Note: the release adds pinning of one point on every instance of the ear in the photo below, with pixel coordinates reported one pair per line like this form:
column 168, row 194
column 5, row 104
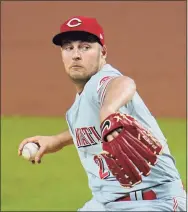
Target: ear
column 104, row 51
column 61, row 50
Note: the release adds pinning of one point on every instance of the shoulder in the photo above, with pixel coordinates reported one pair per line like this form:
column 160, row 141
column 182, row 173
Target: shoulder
column 96, row 86
column 105, row 74
column 74, row 104
column 107, row 70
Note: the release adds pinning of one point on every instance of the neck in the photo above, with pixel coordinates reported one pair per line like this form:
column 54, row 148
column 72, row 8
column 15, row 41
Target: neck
column 79, row 88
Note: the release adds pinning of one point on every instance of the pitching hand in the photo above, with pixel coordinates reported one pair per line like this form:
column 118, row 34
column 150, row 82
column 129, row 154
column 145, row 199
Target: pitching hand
column 47, row 144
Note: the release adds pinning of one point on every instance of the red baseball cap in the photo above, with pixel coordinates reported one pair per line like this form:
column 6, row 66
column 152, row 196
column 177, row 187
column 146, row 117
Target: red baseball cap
column 80, row 24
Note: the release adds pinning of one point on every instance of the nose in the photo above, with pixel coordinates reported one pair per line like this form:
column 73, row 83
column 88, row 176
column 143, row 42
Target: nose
column 76, row 55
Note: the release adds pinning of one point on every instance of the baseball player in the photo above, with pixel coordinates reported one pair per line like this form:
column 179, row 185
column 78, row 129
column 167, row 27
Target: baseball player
column 120, row 145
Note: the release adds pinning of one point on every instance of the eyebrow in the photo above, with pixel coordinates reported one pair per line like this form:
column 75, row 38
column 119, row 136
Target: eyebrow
column 67, row 42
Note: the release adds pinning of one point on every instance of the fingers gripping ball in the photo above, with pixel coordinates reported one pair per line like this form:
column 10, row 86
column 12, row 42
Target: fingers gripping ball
column 131, row 154
column 29, row 151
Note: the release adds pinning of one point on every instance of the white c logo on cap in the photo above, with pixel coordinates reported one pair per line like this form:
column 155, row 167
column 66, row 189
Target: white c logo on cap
column 74, row 25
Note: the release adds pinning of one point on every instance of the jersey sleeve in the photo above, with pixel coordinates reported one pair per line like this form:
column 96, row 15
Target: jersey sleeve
column 100, row 82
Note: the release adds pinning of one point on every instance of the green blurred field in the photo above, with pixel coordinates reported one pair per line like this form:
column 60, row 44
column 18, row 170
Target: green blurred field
column 59, row 183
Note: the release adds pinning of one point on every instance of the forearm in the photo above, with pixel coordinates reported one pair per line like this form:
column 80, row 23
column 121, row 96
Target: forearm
column 119, row 92
column 63, row 139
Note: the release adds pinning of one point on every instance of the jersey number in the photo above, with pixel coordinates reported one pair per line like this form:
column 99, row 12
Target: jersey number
column 102, row 173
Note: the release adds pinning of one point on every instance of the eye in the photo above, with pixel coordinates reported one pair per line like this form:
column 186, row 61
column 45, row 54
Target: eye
column 85, row 47
column 68, row 48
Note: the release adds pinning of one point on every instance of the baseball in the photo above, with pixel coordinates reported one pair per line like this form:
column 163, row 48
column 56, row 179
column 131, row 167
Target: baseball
column 29, row 151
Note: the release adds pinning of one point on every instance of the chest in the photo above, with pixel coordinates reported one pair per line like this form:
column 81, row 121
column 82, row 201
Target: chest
column 84, row 124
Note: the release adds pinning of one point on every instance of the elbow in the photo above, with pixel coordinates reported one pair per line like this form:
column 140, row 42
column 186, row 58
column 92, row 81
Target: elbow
column 129, row 85
column 133, row 85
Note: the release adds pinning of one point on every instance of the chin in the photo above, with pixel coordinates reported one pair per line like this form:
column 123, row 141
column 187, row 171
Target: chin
column 78, row 78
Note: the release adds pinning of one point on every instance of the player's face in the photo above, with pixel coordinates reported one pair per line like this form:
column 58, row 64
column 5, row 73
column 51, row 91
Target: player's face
column 82, row 59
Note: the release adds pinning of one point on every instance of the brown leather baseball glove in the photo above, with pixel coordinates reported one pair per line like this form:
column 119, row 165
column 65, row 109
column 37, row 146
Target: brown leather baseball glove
column 131, row 153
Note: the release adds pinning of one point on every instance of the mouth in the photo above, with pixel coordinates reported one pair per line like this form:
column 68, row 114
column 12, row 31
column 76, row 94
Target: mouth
column 76, row 66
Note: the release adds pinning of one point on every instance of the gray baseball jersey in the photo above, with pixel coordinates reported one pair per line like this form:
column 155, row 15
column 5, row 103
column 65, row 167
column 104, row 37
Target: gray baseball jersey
column 84, row 125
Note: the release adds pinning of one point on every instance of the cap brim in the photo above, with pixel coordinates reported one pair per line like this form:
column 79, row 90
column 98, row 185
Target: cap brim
column 72, row 35
column 57, row 39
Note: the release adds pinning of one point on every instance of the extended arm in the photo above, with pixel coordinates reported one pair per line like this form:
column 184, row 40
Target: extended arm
column 63, row 139
column 48, row 144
